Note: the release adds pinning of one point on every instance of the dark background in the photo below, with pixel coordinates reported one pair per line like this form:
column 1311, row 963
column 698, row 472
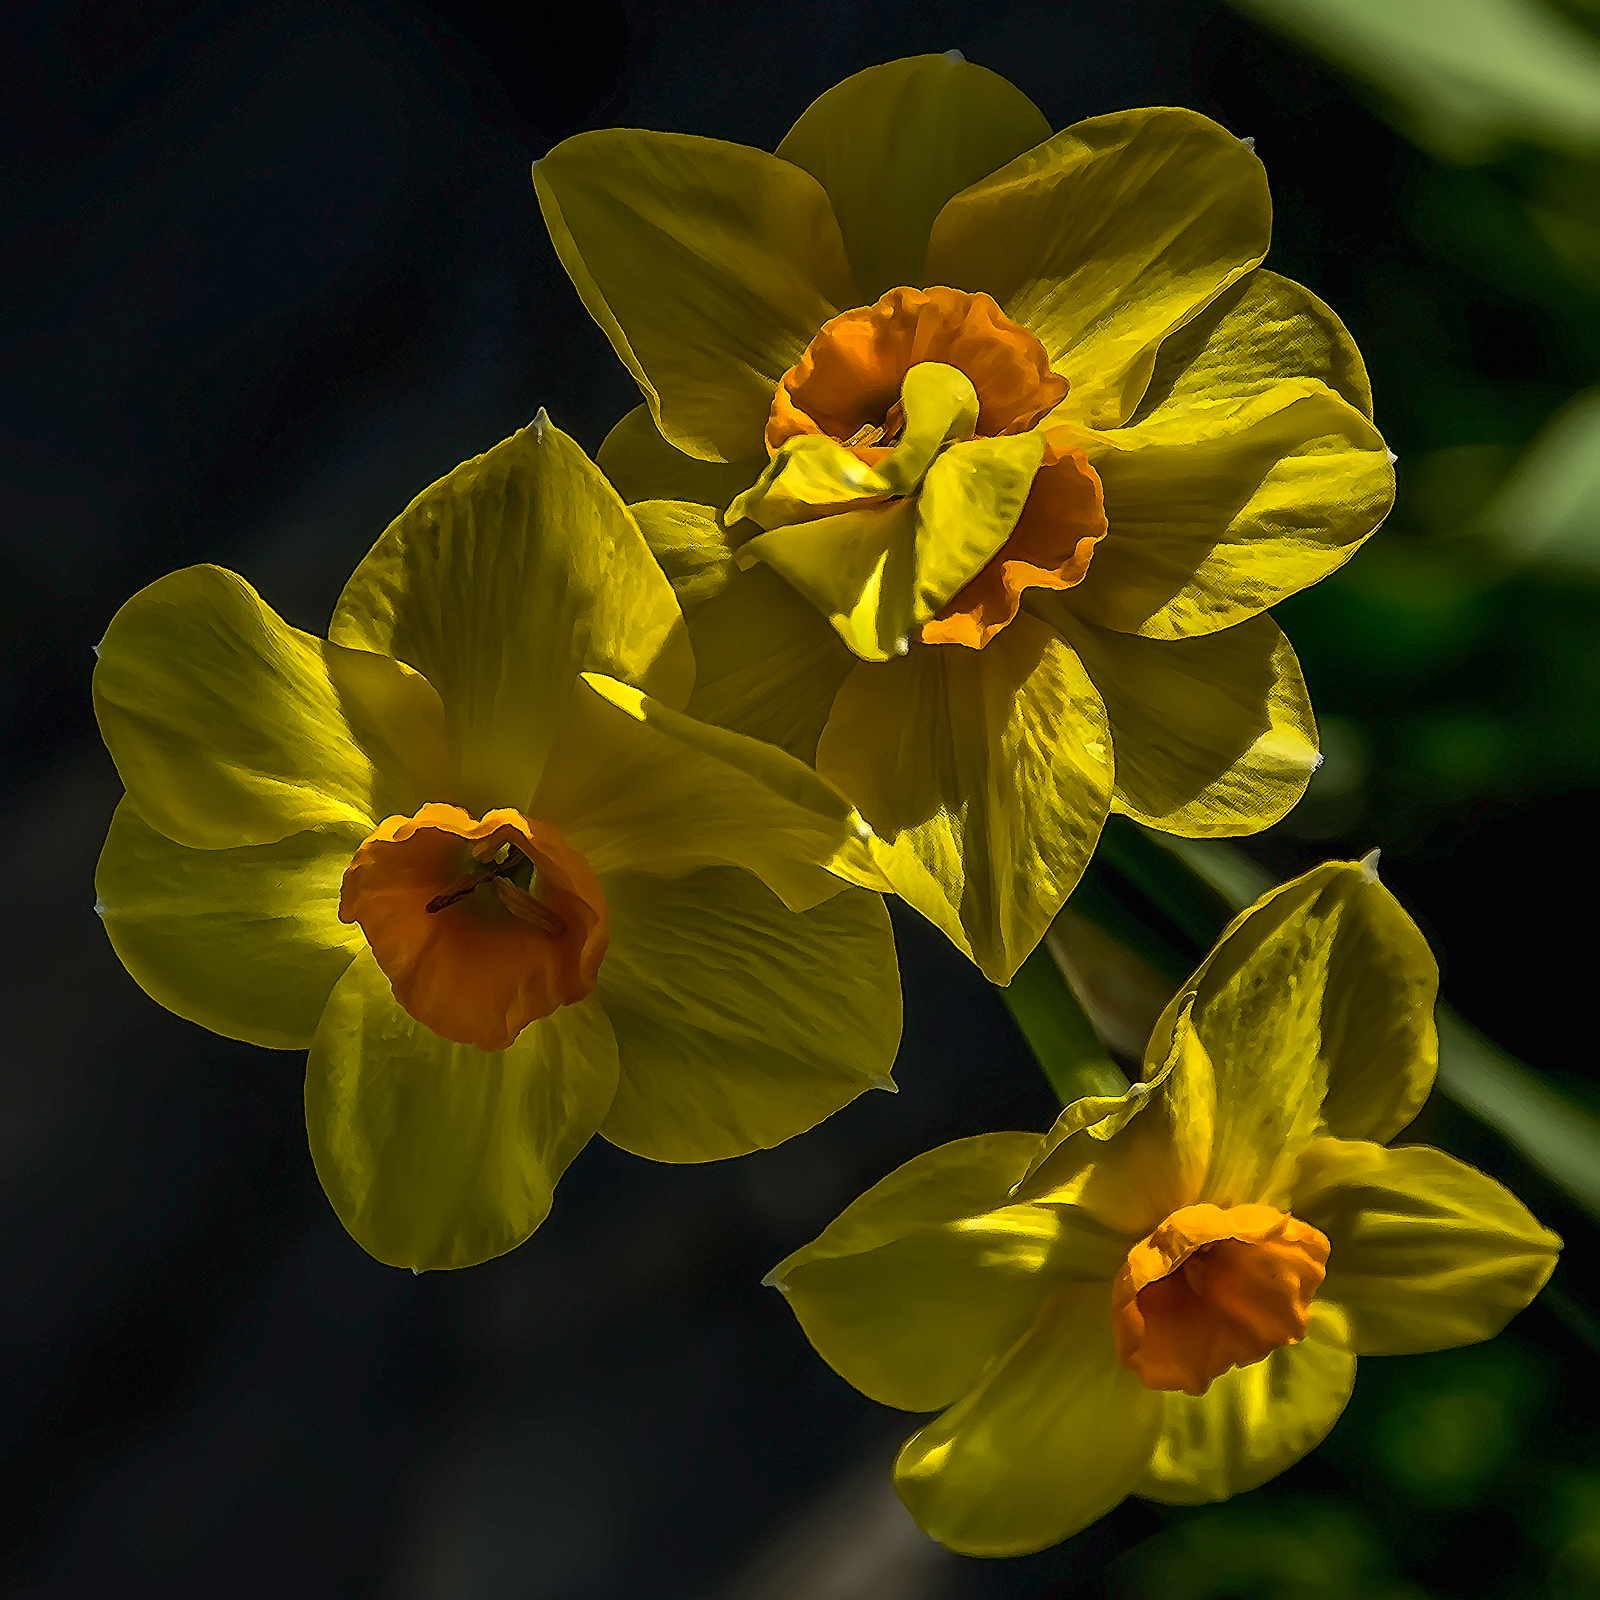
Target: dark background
column 271, row 269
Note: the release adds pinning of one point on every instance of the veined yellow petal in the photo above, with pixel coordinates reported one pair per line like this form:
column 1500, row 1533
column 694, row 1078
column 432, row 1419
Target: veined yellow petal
column 1253, row 1421
column 1315, row 1006
column 1219, row 509
column 709, row 266
column 1106, row 238
column 893, row 143
column 500, row 583
column 879, row 574
column 1427, row 1252
column 914, row 1322
column 1213, row 735
column 643, row 466
column 440, row 1155
column 740, row 1023
column 1261, row 330
column 1055, row 1435
column 986, row 775
column 634, row 787
column 247, row 942
column 229, row 727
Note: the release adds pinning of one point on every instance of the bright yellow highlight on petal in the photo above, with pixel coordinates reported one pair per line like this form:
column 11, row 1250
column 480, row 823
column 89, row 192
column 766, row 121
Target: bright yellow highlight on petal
column 1166, row 1295
column 1213, row 1288
column 468, row 950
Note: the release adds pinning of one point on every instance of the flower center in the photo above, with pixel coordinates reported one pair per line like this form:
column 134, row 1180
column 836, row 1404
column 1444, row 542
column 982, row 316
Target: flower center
column 480, row 925
column 850, row 386
column 1214, row 1287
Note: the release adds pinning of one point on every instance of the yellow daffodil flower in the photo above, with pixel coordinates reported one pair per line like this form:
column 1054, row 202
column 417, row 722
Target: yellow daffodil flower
column 467, row 853
column 1166, row 1295
column 993, row 446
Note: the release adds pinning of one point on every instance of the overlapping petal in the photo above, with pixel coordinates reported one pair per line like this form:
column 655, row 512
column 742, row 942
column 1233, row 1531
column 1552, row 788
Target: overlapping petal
column 987, row 776
column 892, row 144
column 1427, row 1252
column 643, row 466
column 1223, row 506
column 246, row 942
column 636, row 787
column 1055, row 1434
column 1253, row 1421
column 1213, row 735
column 709, row 266
column 440, row 1155
column 1105, row 239
column 229, row 727
column 499, row 584
column 741, row 1023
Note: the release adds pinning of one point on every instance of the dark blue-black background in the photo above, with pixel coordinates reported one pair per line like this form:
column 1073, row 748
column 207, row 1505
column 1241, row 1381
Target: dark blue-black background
column 270, row 270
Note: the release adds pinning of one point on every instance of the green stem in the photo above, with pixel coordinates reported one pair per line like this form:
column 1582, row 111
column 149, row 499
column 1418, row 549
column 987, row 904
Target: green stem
column 1063, row 1040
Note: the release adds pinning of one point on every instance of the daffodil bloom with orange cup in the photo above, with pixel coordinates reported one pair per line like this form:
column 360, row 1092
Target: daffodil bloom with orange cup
column 1167, row 1294
column 991, row 447
column 466, row 852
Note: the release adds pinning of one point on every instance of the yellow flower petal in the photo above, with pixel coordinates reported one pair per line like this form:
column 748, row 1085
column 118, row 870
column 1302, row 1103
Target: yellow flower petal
column 914, row 1322
column 502, row 582
column 986, row 775
column 709, row 266
column 1218, row 510
column 440, row 1155
column 1253, row 1421
column 245, row 942
column 1261, row 330
column 1316, row 1005
column 1055, row 1435
column 879, row 574
column 893, row 143
column 229, row 727
column 740, row 1023
column 1213, row 735
column 643, row 466
column 633, row 786
column 1427, row 1252
column 1105, row 239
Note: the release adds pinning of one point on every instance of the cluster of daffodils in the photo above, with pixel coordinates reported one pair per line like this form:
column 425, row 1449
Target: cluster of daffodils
column 971, row 460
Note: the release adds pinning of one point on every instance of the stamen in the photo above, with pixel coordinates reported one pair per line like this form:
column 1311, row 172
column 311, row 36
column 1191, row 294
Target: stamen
column 500, row 869
column 865, row 434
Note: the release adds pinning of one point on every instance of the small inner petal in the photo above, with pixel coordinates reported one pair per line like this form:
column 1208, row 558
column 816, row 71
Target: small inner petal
column 481, row 925
column 1214, row 1288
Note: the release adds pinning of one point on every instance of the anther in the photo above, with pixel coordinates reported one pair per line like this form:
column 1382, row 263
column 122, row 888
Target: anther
column 500, row 870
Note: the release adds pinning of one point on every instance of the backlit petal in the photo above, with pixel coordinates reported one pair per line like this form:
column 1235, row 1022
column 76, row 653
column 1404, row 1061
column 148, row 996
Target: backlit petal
column 247, row 942
column 1105, row 239
column 1253, row 1421
column 635, row 787
column 986, row 775
column 1054, row 1436
column 892, row 144
column 740, row 1023
column 442, row 1155
column 229, row 727
column 1220, row 508
column 1428, row 1253
column 500, row 583
column 914, row 1322
column 709, row 266
column 643, row 466
column 1213, row 735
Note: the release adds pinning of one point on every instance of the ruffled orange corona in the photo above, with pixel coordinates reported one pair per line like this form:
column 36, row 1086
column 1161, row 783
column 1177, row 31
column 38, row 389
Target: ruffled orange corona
column 1214, row 1287
column 481, row 926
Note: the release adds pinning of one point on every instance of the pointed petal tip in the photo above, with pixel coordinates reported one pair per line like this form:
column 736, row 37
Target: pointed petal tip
column 862, row 828
column 541, row 421
column 1139, row 1089
column 96, row 649
column 888, row 1085
column 416, row 1272
column 1369, row 867
column 1317, row 760
column 1249, row 141
column 773, row 1281
column 954, row 55
column 902, row 645
column 1392, row 456
column 99, row 907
